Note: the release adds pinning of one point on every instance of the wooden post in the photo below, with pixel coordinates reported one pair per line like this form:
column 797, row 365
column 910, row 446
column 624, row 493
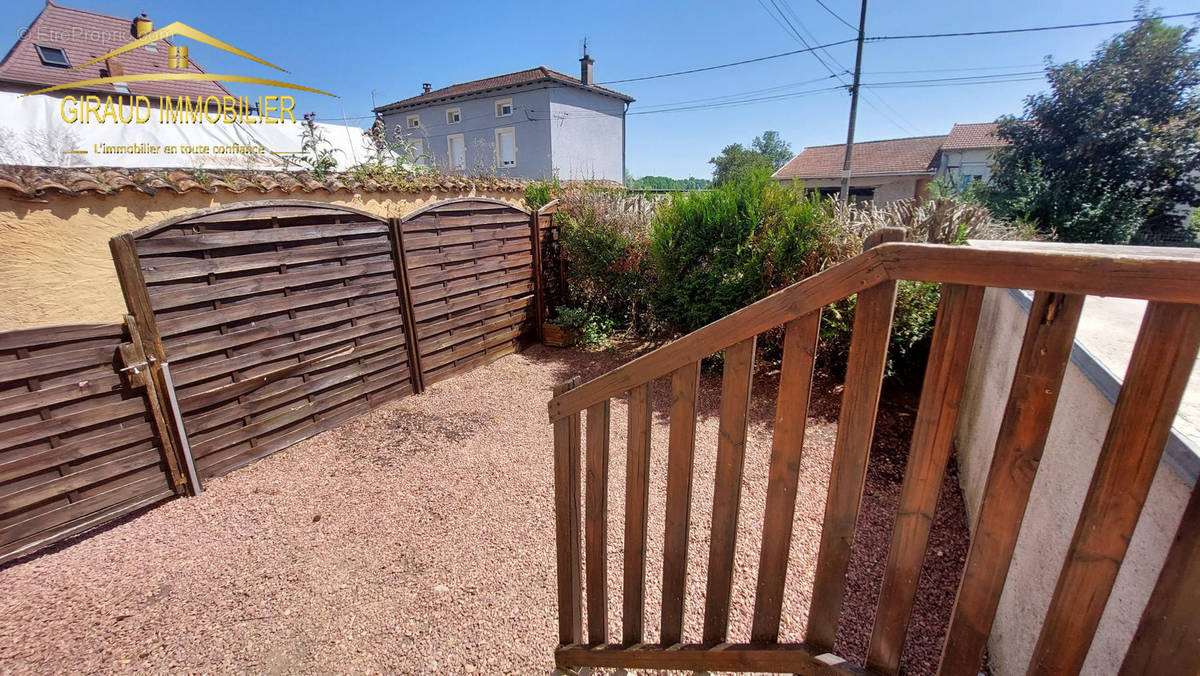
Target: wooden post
column 932, row 443
column 140, row 372
column 566, row 523
column 539, row 281
column 1045, row 351
column 147, row 348
column 404, row 290
column 1154, row 384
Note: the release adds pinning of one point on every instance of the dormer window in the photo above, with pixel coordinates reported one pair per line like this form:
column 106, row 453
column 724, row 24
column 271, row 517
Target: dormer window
column 53, row 56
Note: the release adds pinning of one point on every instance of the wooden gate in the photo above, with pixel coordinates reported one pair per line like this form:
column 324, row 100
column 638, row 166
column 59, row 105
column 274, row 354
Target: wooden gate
column 278, row 320
column 470, row 269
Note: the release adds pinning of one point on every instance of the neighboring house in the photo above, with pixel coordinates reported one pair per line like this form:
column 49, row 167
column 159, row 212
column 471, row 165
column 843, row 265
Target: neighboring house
column 886, row 171
column 33, row 130
column 61, row 38
column 967, row 153
column 882, row 171
column 535, row 123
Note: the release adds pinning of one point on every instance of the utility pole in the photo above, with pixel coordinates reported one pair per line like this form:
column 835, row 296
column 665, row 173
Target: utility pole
column 844, row 195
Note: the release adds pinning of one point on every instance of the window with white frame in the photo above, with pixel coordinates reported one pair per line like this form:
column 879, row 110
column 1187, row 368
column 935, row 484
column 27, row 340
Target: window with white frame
column 453, row 116
column 504, row 108
column 414, row 121
column 418, row 149
column 506, row 147
column 456, row 149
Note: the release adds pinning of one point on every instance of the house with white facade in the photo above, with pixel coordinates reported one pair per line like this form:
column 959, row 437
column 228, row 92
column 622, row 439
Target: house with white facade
column 536, row 123
column 966, row 155
column 894, row 169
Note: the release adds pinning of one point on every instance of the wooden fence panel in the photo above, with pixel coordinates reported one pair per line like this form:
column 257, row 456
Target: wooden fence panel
column 471, row 270
column 279, row 320
column 78, row 445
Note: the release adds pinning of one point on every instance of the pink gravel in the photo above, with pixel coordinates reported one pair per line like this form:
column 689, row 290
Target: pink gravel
column 419, row 539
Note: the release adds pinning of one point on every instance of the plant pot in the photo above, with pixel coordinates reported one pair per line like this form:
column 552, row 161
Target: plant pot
column 558, row 336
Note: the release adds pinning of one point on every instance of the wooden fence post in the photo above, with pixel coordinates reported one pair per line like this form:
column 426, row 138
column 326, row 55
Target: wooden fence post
column 539, row 282
column 404, row 290
column 147, row 348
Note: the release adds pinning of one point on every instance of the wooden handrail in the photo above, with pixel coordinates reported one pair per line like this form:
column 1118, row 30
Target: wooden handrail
column 1062, row 276
column 1130, row 272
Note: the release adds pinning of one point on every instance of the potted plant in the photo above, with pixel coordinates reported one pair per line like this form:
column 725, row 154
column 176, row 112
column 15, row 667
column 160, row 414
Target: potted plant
column 566, row 328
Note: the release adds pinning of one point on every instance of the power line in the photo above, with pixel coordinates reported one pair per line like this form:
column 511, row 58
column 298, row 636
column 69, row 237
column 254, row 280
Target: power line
column 837, row 16
column 1007, row 31
column 726, row 65
column 882, row 38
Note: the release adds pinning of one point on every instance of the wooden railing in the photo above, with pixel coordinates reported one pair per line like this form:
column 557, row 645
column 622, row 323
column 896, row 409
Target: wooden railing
column 1061, row 275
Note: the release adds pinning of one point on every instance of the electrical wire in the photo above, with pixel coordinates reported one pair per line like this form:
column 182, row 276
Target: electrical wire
column 726, row 65
column 838, row 17
column 882, row 38
column 1007, row 31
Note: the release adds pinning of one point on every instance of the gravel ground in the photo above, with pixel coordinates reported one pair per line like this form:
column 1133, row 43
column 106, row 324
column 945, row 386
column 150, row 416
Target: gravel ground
column 419, row 538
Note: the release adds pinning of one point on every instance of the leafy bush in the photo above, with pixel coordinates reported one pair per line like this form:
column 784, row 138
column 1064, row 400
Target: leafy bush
column 715, row 252
column 540, row 193
column 605, row 236
column 594, row 330
column 671, row 266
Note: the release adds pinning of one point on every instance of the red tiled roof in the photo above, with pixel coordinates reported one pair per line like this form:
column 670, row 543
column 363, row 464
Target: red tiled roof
column 84, row 36
column 521, row 77
column 895, row 156
column 975, row 135
column 41, row 182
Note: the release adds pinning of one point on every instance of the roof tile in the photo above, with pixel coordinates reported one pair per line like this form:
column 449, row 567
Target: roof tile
column 895, row 156
column 521, row 77
column 31, row 182
column 85, row 35
column 973, row 135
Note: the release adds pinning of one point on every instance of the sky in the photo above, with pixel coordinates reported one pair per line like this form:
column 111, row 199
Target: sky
column 372, row 52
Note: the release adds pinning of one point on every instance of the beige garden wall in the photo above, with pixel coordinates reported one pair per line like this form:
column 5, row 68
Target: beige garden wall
column 55, row 265
column 1081, row 418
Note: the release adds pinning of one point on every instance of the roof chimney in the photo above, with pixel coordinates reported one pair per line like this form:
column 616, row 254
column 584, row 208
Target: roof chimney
column 141, row 25
column 586, row 66
column 427, row 87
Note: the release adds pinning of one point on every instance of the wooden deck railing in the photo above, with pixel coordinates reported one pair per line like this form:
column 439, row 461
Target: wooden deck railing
column 1061, row 275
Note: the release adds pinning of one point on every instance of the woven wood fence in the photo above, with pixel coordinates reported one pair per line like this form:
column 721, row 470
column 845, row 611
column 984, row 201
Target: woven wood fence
column 78, row 443
column 251, row 328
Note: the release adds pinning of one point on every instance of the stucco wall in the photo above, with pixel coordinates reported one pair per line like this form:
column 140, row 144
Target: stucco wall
column 530, row 121
column 887, row 188
column 56, row 266
column 586, row 132
column 957, row 164
column 1080, row 422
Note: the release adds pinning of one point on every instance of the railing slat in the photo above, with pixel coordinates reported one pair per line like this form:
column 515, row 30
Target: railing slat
column 566, row 523
column 596, row 522
column 1158, row 372
column 791, row 413
column 731, row 454
column 932, row 442
column 684, row 390
column 1045, row 350
column 856, row 425
column 637, row 497
column 1165, row 642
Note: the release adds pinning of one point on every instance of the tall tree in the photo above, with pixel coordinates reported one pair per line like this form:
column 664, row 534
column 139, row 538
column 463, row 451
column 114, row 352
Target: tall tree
column 1112, row 151
column 772, row 146
column 736, row 162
